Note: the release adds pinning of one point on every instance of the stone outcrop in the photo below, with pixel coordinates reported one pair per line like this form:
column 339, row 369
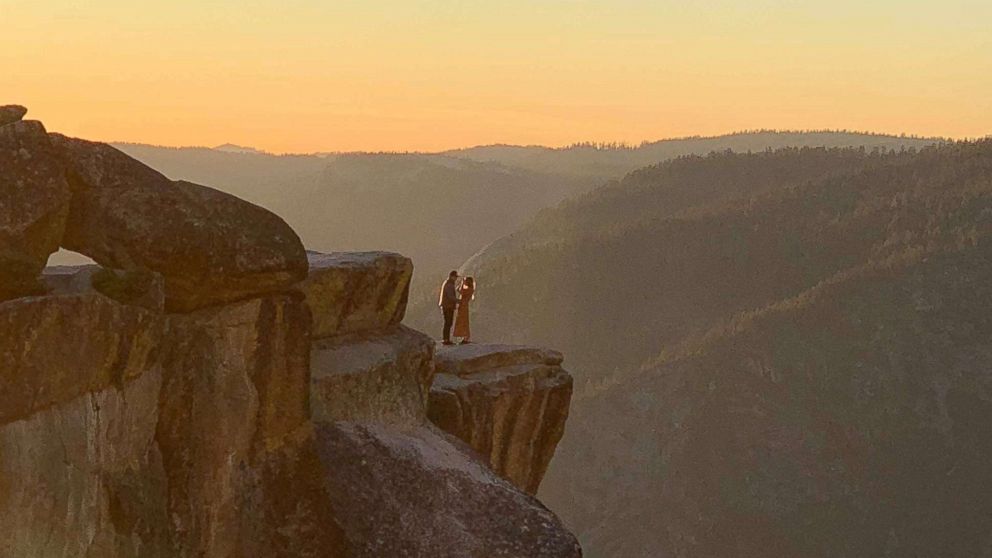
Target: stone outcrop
column 357, row 291
column 211, row 247
column 158, row 435
column 11, row 113
column 84, row 478
column 382, row 376
column 432, row 498
column 58, row 348
column 80, row 474
column 436, row 496
column 34, row 203
column 509, row 403
column 182, row 404
column 364, row 365
column 234, row 409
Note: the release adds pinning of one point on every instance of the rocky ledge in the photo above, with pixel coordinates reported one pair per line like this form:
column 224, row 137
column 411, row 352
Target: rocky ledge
column 370, row 393
column 212, row 390
column 509, row 403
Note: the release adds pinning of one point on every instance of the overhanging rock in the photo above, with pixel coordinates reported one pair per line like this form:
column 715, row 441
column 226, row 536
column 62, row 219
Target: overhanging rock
column 509, row 403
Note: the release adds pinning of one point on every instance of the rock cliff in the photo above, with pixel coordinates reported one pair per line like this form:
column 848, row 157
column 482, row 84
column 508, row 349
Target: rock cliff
column 509, row 403
column 370, row 387
column 214, row 391
column 35, row 205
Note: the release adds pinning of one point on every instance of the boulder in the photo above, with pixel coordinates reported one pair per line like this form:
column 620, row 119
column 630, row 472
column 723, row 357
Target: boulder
column 34, row 203
column 431, row 498
column 512, row 412
column 356, row 291
column 11, row 113
column 465, row 360
column 383, row 376
column 210, row 247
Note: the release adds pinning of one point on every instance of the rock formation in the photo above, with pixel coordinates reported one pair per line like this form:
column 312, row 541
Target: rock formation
column 56, row 349
column 191, row 399
column 432, row 498
column 81, row 379
column 157, row 435
column 509, row 403
column 369, row 395
column 235, row 404
column 35, row 203
column 211, row 247
column 383, row 376
column 352, row 292
column 11, row 113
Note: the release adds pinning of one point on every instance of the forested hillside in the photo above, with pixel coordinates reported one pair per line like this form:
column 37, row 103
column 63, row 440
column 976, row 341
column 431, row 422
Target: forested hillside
column 771, row 349
column 607, row 161
column 620, row 272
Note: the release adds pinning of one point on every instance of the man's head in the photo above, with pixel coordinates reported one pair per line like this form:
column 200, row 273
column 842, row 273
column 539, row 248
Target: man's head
column 453, row 275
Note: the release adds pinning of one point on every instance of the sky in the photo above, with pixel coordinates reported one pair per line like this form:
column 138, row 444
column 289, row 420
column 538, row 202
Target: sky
column 418, row 75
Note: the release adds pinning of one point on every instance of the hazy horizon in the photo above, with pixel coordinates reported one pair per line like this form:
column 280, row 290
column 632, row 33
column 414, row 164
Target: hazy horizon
column 235, row 147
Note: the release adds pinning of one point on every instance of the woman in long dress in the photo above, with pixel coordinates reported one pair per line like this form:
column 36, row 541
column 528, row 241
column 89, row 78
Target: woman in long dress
column 466, row 294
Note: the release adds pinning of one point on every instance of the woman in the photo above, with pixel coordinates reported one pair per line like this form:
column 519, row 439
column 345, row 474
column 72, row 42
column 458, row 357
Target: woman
column 466, row 294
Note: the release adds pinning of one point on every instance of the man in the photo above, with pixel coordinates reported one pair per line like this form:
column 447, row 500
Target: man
column 448, row 303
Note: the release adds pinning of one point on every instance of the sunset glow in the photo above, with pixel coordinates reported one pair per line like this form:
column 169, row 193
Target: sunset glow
column 306, row 76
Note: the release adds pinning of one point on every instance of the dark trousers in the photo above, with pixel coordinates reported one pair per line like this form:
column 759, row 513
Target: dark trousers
column 449, row 320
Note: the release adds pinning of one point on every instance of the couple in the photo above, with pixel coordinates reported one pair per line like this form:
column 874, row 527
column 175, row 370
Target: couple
column 456, row 295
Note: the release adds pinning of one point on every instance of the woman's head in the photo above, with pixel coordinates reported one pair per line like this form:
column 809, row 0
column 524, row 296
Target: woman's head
column 470, row 281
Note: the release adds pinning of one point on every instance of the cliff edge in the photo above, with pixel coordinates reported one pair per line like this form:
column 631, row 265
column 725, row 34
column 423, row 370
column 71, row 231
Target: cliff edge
column 212, row 389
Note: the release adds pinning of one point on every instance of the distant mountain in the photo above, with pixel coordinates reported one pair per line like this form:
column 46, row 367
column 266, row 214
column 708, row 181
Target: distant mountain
column 231, row 148
column 776, row 354
column 613, row 161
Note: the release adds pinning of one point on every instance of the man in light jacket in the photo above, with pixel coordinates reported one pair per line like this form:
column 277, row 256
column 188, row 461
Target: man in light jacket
column 448, row 303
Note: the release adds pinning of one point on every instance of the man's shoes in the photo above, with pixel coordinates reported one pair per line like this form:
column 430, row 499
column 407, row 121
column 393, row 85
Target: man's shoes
column 447, row 343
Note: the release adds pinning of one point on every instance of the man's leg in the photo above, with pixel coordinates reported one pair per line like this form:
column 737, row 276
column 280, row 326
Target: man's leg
column 449, row 320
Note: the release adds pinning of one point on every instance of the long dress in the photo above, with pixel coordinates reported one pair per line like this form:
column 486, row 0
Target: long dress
column 463, row 328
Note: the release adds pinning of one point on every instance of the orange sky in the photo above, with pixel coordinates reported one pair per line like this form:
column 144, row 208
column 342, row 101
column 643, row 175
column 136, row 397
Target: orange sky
column 306, row 75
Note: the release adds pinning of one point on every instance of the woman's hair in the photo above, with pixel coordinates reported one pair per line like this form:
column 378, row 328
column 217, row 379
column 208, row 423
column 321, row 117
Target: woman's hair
column 470, row 281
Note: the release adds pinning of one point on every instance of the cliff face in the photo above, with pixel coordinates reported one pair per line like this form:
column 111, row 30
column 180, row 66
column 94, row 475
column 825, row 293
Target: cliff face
column 129, row 432
column 509, row 403
column 370, row 387
column 200, row 401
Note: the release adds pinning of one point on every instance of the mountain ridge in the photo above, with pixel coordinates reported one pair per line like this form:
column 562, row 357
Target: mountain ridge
column 725, row 242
